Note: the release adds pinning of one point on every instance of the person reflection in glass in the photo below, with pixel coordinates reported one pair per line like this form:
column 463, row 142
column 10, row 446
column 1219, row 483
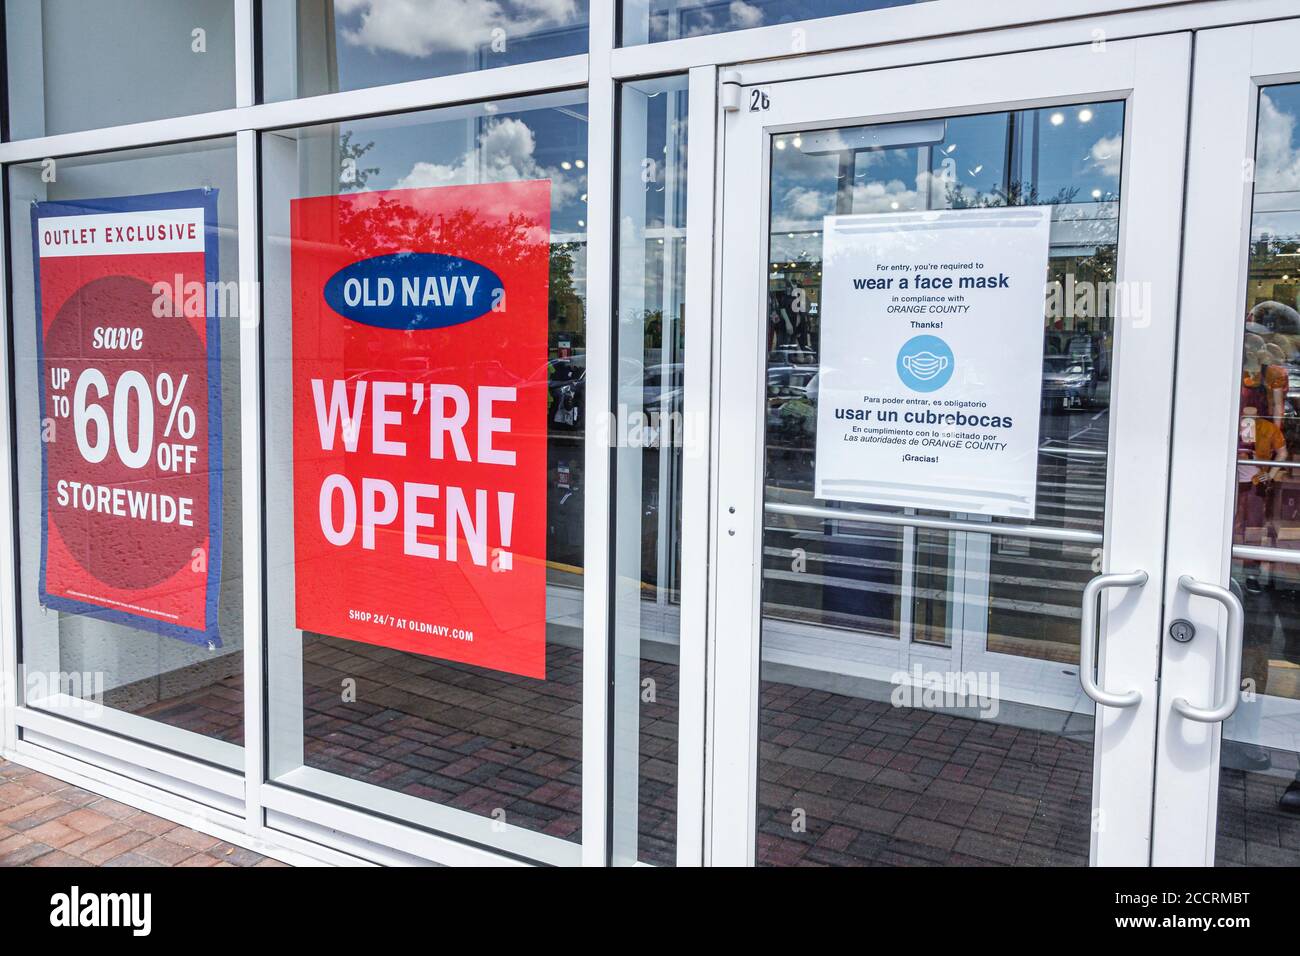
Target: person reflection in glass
column 789, row 324
column 1266, row 419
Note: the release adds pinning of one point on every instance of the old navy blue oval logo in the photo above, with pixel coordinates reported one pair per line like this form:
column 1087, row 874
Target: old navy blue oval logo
column 413, row 290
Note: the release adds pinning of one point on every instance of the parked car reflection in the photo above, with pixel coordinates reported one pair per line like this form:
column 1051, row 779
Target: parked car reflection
column 1069, row 381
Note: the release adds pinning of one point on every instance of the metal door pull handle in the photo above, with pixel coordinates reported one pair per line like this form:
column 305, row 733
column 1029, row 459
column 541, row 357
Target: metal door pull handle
column 1229, row 690
column 1088, row 638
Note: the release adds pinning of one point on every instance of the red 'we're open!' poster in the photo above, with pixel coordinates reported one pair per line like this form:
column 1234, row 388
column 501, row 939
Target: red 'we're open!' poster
column 419, row 403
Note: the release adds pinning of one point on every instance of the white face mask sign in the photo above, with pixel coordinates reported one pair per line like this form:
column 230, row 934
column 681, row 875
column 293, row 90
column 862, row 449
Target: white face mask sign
column 925, row 365
column 932, row 359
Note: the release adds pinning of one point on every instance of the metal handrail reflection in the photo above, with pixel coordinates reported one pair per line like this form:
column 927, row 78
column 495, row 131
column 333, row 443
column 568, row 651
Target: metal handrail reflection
column 1031, row 532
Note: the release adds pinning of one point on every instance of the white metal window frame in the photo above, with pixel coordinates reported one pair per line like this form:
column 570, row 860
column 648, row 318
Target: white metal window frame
column 936, row 30
column 1232, row 66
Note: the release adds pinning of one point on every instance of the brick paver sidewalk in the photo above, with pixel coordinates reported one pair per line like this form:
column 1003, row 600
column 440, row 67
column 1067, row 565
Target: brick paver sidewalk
column 46, row 822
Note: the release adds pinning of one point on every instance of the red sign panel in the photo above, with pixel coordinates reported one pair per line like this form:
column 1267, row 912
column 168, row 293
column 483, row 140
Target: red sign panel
column 131, row 398
column 419, row 403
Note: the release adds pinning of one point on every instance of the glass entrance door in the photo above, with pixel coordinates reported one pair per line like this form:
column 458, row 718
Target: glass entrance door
column 947, row 331
column 1228, row 771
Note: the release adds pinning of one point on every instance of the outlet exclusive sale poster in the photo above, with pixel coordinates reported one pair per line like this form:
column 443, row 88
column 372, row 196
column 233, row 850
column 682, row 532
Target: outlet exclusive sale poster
column 130, row 390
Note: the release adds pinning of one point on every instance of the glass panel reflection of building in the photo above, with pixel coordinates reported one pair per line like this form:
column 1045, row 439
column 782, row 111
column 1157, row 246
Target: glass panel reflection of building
column 653, row 21
column 1259, row 791
column 1068, row 158
column 847, row 605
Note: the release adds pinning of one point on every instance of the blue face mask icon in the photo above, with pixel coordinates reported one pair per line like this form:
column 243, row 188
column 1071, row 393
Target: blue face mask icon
column 925, row 363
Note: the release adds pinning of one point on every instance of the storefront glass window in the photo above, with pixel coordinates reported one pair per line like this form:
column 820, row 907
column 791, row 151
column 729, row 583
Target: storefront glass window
column 74, row 65
column 650, row 21
column 125, row 309
column 324, row 46
column 1068, row 158
column 856, row 614
column 1259, row 788
column 651, row 436
column 425, row 363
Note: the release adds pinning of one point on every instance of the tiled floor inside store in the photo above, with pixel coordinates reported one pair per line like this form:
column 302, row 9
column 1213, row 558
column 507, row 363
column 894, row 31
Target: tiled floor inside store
column 46, row 822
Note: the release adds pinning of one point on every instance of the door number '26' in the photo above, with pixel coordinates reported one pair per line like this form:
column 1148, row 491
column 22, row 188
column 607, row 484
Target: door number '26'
column 758, row 100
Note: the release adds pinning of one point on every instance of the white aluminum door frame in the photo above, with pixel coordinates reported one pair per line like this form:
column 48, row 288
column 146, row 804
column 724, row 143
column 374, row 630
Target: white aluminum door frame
column 1151, row 75
column 1232, row 64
